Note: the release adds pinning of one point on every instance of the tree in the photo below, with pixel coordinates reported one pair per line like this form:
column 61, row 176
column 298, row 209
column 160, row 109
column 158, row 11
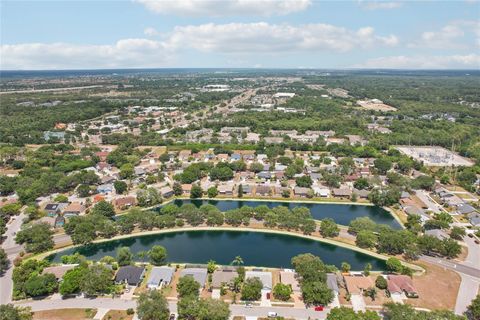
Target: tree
column 366, row 239
column 120, row 186
column 97, row 280
column 83, row 190
column 124, row 256
column 212, row 309
column 328, row 228
column 72, row 279
column 212, row 192
column 361, row 183
column 304, row 181
column 152, row 305
column 211, row 266
column 104, row 208
column 177, row 189
column 83, row 231
column 316, row 293
column 37, row 238
column 381, row 283
column 346, row 267
column 362, row 223
column 423, row 182
column 394, row 265
column 11, row 312
column 282, row 291
column 240, row 191
column 187, row 287
column 127, row 171
column 237, row 261
column 367, row 269
column 457, row 233
column 344, row 313
column 158, row 255
column 61, row 198
column 382, row 165
column 450, row 248
column 309, row 267
column 252, row 289
column 196, row 191
column 4, row 262
column 256, row 167
column 473, row 310
column 40, row 285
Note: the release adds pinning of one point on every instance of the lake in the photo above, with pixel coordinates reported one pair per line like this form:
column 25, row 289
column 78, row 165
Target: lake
column 256, row 248
column 340, row 213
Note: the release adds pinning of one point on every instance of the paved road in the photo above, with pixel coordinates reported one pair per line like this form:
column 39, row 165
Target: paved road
column 469, row 286
column 6, row 283
column 121, row 304
column 452, row 265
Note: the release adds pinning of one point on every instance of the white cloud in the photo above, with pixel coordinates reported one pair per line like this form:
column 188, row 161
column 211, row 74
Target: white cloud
column 380, row 5
column 450, row 36
column 225, row 7
column 274, row 38
column 126, row 53
column 151, row 32
column 470, row 61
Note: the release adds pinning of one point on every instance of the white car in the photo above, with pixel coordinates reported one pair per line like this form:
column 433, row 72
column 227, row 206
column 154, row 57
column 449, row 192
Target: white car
column 272, row 314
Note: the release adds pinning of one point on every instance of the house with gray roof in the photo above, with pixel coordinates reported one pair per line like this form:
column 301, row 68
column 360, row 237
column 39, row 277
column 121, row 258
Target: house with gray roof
column 131, row 275
column 198, row 274
column 160, row 277
column 264, row 276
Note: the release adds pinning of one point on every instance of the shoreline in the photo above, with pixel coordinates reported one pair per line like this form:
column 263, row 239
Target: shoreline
column 234, row 229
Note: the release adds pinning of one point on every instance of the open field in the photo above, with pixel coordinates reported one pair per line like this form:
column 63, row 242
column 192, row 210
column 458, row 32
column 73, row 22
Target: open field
column 65, row 314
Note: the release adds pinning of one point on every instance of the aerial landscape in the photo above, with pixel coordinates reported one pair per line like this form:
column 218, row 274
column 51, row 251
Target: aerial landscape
column 239, row 159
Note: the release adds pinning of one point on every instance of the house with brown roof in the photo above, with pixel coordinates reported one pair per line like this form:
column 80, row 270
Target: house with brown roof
column 289, row 278
column 186, row 188
column 342, row 192
column 221, row 278
column 124, row 202
column 357, row 284
column 73, row 209
column 398, row 284
column 263, row 190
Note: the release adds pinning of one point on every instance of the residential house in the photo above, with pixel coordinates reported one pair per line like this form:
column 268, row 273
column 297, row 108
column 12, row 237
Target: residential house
column 264, row 276
column 166, row 192
column 263, row 190
column 198, row 274
column 160, row 277
column 130, row 275
column 223, row 277
column 186, row 188
column 73, row 209
column 226, row 188
column 342, row 192
column 59, row 271
column 289, row 277
column 356, row 285
column 105, row 188
column 125, row 202
column 301, row 192
column 53, row 209
column 399, row 284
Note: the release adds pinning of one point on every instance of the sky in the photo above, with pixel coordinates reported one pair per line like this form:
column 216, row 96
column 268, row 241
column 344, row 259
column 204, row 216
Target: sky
column 92, row 34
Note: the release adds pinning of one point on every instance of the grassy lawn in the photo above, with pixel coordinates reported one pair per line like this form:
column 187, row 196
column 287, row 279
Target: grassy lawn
column 117, row 315
column 65, row 314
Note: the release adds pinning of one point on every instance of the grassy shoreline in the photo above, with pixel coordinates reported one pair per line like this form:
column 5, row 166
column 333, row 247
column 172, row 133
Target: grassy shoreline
column 235, row 229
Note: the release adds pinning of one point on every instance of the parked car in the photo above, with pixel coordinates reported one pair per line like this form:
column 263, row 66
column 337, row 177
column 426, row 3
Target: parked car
column 172, row 317
column 319, row 308
column 272, row 314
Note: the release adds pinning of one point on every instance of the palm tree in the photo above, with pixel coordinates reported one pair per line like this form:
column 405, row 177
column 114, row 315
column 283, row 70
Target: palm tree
column 237, row 261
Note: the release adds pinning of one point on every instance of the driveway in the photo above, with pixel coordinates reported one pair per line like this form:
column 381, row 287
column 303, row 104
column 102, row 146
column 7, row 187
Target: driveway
column 466, row 293
column 358, row 303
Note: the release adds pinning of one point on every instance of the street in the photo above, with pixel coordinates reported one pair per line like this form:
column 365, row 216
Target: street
column 6, row 280
column 120, row 304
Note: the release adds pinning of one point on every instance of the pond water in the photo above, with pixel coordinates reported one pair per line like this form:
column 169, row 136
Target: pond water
column 340, row 213
column 256, row 249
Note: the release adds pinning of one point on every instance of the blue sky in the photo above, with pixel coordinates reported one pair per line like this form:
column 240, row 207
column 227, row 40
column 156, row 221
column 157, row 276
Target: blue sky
column 239, row 33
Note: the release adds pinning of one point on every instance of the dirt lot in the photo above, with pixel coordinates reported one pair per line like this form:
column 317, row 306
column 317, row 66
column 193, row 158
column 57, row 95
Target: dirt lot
column 117, row 315
column 437, row 288
column 65, row 314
